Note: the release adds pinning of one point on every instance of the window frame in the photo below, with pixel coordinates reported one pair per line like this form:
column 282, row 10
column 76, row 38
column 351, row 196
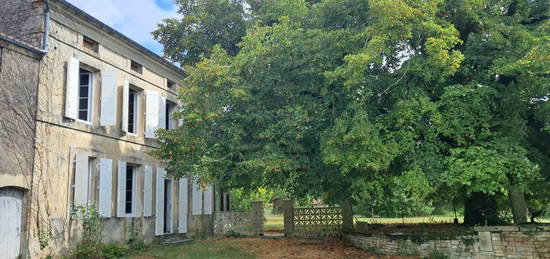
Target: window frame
column 170, row 84
column 136, row 105
column 170, row 122
column 90, row 44
column 133, row 200
column 91, row 88
column 136, row 67
column 91, row 184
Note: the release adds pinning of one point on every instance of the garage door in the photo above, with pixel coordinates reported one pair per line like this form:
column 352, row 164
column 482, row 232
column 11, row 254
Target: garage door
column 11, row 201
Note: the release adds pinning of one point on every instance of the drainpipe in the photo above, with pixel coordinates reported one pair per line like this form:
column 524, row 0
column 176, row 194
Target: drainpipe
column 46, row 26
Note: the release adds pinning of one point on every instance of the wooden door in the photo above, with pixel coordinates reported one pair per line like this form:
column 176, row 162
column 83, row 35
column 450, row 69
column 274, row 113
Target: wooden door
column 11, row 208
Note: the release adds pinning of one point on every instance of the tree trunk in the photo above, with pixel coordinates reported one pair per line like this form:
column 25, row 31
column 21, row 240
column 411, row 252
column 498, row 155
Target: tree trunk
column 480, row 209
column 519, row 206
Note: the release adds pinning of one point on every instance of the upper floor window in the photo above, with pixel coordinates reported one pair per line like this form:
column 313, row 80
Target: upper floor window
column 133, row 104
column 90, row 44
column 170, row 84
column 170, row 123
column 85, row 95
column 136, row 67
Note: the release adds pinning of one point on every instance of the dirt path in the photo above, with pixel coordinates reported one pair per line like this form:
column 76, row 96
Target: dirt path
column 256, row 247
column 306, row 248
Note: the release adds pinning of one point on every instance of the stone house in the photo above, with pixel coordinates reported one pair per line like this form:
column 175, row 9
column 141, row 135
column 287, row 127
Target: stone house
column 80, row 104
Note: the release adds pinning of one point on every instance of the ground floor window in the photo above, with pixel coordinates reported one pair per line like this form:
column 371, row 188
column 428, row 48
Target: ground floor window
column 129, row 192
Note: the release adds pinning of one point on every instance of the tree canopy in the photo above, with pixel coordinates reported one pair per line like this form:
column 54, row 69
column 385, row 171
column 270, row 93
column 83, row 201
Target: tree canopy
column 388, row 103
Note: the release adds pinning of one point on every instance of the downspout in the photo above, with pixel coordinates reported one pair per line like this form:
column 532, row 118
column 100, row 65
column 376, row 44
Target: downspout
column 46, row 27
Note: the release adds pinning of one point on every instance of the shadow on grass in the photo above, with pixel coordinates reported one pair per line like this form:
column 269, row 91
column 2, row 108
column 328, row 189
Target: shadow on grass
column 197, row 249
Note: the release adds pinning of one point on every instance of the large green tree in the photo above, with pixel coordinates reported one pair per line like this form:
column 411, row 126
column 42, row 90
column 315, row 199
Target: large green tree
column 382, row 102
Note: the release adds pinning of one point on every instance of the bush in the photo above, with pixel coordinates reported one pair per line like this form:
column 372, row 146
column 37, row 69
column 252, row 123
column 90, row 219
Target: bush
column 114, row 250
column 87, row 249
column 437, row 255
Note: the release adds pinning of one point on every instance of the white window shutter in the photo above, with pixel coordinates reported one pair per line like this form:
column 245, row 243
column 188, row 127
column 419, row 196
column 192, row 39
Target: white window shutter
column 108, row 98
column 208, row 200
column 196, row 199
column 105, row 187
column 71, row 95
column 81, row 180
column 183, row 206
column 151, row 113
column 121, row 190
column 159, row 203
column 180, row 109
column 125, row 101
column 162, row 113
column 148, row 191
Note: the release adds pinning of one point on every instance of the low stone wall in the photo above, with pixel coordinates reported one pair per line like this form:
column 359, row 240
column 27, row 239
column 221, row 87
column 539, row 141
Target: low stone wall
column 482, row 242
column 250, row 223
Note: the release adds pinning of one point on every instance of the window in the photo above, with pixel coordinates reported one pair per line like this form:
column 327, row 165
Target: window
column 85, row 92
column 171, row 84
column 136, row 67
column 133, row 102
column 129, row 190
column 82, row 179
column 90, row 44
column 170, row 106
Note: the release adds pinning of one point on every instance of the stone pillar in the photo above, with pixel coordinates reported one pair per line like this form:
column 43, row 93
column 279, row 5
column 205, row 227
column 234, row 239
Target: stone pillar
column 288, row 212
column 347, row 217
column 258, row 217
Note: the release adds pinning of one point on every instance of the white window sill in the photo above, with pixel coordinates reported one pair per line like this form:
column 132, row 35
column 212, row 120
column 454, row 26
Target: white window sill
column 128, row 216
column 84, row 122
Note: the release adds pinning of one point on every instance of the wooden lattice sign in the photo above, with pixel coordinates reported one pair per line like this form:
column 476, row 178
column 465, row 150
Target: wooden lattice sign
column 317, row 222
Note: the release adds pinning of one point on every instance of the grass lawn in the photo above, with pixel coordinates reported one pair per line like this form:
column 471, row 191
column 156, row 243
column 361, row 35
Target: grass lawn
column 409, row 220
column 255, row 247
column 275, row 222
column 197, row 249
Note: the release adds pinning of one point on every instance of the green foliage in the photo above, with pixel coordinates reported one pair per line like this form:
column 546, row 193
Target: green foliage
column 437, row 255
column 394, row 104
column 242, row 201
column 205, row 23
column 114, row 250
column 89, row 246
column 92, row 224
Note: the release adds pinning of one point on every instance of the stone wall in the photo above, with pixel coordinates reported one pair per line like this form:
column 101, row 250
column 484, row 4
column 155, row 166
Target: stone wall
column 23, row 20
column 243, row 222
column 18, row 98
column 528, row 241
column 484, row 242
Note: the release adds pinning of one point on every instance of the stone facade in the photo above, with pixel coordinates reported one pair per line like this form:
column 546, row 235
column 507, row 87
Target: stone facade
column 23, row 20
column 18, row 101
column 249, row 223
column 488, row 242
column 44, row 147
column 19, row 64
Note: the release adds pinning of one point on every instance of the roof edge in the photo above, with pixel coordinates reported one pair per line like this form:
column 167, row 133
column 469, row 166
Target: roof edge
column 123, row 37
column 22, row 45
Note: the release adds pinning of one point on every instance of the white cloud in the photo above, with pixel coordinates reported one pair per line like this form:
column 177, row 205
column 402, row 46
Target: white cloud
column 134, row 18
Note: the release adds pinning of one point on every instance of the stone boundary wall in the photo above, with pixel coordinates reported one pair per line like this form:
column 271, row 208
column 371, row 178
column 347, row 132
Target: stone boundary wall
column 485, row 242
column 250, row 223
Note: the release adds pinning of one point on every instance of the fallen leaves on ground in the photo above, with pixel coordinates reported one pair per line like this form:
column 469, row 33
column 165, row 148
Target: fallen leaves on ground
column 306, row 248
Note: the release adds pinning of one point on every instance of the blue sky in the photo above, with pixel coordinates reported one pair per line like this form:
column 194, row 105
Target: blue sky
column 133, row 18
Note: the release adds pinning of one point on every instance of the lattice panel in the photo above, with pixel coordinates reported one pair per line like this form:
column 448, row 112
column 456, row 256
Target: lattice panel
column 318, row 221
